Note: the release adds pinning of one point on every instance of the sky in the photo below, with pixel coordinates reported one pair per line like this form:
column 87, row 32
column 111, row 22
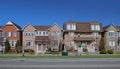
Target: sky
column 48, row 12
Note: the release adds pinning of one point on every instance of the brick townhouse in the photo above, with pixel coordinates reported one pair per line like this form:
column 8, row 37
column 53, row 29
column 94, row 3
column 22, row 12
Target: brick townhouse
column 40, row 38
column 111, row 35
column 2, row 40
column 82, row 35
column 12, row 32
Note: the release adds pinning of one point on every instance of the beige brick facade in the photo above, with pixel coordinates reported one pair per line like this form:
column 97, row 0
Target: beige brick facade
column 83, row 36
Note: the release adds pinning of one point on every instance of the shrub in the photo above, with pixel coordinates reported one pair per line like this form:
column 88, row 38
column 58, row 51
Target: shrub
column 31, row 51
column 85, row 50
column 17, row 47
column 102, row 52
column 7, row 46
column 109, row 51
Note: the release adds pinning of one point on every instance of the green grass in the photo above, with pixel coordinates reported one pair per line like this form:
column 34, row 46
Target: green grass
column 56, row 56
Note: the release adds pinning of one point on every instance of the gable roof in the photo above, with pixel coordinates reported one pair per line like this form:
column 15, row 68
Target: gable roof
column 27, row 25
column 14, row 24
column 118, row 27
column 42, row 28
column 105, row 27
column 56, row 25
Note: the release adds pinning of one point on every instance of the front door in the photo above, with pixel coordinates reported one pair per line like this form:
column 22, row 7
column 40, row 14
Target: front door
column 41, row 48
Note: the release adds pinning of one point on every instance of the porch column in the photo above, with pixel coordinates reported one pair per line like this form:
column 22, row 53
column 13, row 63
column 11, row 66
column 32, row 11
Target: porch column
column 37, row 49
column 42, row 49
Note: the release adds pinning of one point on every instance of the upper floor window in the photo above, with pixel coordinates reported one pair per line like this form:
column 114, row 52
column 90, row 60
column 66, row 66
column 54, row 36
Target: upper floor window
column 111, row 43
column 42, row 33
column 95, row 27
column 3, row 34
column 71, row 26
column 15, row 34
column 9, row 34
column 71, row 33
column 29, row 33
column 111, row 33
column 55, row 33
column 39, row 33
column 95, row 34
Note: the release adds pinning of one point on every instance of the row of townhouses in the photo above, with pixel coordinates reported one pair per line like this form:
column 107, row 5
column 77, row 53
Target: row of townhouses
column 75, row 36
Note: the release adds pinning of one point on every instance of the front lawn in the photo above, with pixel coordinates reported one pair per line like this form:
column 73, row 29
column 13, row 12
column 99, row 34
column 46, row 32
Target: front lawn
column 56, row 56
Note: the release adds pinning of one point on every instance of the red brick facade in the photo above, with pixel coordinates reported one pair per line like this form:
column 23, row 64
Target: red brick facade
column 11, row 27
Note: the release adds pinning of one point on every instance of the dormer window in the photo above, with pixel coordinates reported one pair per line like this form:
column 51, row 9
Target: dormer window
column 95, row 27
column 71, row 26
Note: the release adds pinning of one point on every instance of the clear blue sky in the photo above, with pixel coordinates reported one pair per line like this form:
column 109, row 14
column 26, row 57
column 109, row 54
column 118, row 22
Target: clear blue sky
column 47, row 12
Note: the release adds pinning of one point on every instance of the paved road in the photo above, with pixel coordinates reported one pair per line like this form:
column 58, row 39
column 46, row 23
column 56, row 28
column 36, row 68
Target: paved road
column 88, row 63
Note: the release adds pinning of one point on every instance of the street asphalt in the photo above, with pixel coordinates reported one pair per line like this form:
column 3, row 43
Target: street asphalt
column 71, row 63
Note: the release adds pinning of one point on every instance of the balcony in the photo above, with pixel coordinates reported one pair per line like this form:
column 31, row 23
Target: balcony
column 2, row 39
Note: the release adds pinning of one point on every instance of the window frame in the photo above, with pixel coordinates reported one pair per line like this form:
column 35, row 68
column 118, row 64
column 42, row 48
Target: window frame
column 112, row 43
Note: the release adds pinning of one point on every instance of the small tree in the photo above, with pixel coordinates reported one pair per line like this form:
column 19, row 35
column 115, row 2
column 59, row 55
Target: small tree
column 102, row 47
column 7, row 46
column 17, row 47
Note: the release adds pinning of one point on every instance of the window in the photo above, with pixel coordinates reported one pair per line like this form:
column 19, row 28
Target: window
column 71, row 33
column 55, row 33
column 95, row 27
column 111, row 43
column 9, row 34
column 95, row 34
column 28, row 42
column 111, row 33
column 86, row 43
column 15, row 34
column 71, row 26
column 43, row 33
column 12, row 43
column 71, row 43
column 32, row 34
column 78, row 35
column 36, row 33
column 55, row 42
column 29, row 34
column 46, row 33
column 39, row 33
column 3, row 34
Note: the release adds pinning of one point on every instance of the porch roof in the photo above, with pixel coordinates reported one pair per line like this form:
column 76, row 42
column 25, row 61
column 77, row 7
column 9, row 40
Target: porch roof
column 84, row 39
column 42, row 38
